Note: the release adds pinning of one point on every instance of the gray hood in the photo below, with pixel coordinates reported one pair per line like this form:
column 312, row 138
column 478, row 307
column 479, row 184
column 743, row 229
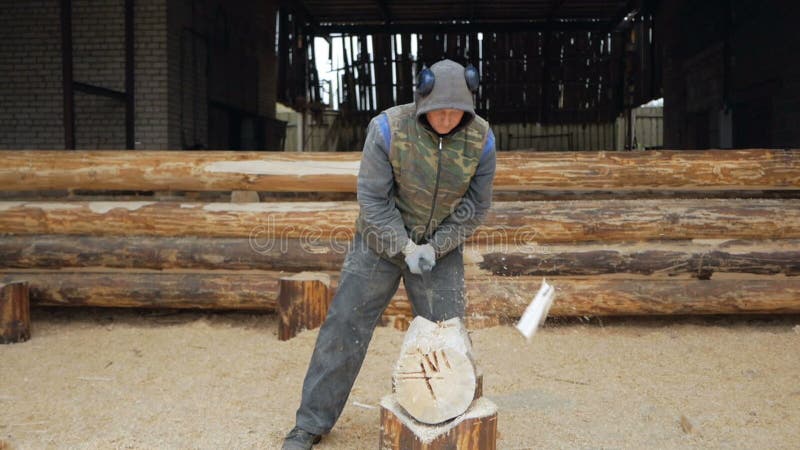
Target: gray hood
column 449, row 91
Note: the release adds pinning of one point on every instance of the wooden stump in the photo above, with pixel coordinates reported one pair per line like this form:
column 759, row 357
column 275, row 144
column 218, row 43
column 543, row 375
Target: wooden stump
column 15, row 315
column 474, row 430
column 303, row 301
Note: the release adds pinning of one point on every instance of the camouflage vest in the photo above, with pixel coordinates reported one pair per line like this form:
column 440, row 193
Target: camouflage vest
column 431, row 174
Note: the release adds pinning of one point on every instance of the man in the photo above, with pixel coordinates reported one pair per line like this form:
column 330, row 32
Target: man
column 424, row 185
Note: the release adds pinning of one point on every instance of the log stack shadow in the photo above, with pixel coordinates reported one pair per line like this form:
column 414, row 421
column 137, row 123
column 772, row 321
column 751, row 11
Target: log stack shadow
column 660, row 247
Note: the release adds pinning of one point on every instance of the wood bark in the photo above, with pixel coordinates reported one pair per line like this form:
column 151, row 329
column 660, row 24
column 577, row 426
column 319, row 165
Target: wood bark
column 507, row 223
column 498, row 196
column 15, row 316
column 475, row 430
column 490, row 300
column 221, row 290
column 303, row 301
column 520, row 196
column 336, row 172
column 152, row 252
column 506, row 298
column 697, row 258
column 434, row 379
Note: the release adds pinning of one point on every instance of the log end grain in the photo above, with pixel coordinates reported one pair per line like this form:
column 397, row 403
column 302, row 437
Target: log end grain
column 435, row 377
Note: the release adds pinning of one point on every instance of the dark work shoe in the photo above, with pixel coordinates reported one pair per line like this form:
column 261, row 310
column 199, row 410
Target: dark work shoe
column 300, row 439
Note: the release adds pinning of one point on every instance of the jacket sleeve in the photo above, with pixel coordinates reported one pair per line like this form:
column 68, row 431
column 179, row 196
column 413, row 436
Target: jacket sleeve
column 383, row 225
column 472, row 209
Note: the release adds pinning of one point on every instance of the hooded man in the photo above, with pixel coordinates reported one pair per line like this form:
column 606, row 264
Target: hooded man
column 424, row 186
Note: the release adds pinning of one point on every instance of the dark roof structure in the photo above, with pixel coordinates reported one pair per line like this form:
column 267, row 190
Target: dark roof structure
column 423, row 14
column 547, row 61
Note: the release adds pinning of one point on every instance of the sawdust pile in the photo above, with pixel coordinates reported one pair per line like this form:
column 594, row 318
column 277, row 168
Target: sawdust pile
column 137, row 379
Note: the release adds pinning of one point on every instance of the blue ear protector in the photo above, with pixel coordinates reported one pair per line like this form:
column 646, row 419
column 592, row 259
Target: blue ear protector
column 426, row 80
column 473, row 77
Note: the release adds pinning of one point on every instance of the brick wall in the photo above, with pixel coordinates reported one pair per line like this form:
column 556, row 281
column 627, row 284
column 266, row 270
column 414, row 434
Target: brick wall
column 220, row 52
column 188, row 53
column 31, row 94
column 99, row 122
column 762, row 105
column 188, row 74
column 31, row 103
column 98, row 52
column 765, row 78
column 151, row 74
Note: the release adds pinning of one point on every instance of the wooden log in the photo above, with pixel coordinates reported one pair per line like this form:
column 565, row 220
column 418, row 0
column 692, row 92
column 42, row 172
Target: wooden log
column 15, row 316
column 490, row 300
column 498, row 196
column 663, row 169
column 336, row 172
column 698, row 258
column 263, row 223
column 434, row 379
column 526, row 196
column 515, row 222
column 303, row 301
column 152, row 252
column 475, row 430
column 220, row 290
column 507, row 298
column 180, row 170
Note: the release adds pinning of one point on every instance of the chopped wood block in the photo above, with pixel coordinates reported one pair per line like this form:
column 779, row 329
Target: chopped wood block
column 303, row 301
column 478, row 386
column 15, row 315
column 476, row 429
column 435, row 377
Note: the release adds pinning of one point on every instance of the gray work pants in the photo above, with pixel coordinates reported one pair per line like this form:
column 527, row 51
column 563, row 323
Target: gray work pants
column 366, row 286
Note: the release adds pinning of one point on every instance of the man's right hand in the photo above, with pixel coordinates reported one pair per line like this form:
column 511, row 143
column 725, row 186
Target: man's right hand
column 415, row 253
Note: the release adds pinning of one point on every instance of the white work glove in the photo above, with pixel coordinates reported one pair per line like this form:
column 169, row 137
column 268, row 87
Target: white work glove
column 415, row 253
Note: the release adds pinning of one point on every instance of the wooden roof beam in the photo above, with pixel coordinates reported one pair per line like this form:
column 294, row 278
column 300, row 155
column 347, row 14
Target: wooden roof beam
column 554, row 7
column 385, row 12
column 300, row 7
column 436, row 27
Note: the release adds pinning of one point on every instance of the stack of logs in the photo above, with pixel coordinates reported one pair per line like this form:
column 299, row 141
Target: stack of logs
column 617, row 233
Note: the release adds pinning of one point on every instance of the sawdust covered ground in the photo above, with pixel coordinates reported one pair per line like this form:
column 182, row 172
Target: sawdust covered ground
column 138, row 379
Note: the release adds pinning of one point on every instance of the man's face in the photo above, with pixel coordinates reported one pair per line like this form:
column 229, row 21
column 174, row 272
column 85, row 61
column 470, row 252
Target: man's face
column 444, row 120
